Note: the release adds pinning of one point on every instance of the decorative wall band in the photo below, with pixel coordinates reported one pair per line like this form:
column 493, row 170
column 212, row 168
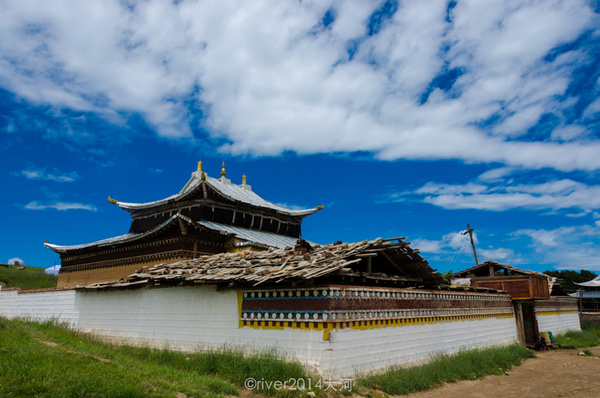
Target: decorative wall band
column 330, row 307
column 325, row 316
column 363, row 324
column 366, row 293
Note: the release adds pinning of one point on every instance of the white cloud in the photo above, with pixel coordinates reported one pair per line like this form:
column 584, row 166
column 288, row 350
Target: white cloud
column 427, row 245
column 447, row 244
column 500, row 254
column 61, row 206
column 569, row 247
column 496, row 174
column 42, row 174
column 455, row 251
column 432, row 188
column 554, row 195
column 270, row 79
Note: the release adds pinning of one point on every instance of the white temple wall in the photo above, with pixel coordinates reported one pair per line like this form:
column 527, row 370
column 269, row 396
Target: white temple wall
column 558, row 323
column 557, row 315
column 39, row 306
column 192, row 318
column 358, row 351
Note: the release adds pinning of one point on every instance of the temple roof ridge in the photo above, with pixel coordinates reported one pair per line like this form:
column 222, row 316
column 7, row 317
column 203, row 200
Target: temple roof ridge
column 223, row 186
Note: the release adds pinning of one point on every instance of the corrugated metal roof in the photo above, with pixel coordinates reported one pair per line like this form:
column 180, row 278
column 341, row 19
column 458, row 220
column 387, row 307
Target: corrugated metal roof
column 593, row 283
column 251, row 235
column 585, row 294
column 115, row 240
column 224, row 187
column 265, row 238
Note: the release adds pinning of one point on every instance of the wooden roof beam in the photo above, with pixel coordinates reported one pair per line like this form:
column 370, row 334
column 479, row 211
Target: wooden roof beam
column 400, row 239
column 391, row 260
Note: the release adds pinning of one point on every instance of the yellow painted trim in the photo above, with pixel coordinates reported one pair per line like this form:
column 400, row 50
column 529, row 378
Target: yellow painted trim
column 359, row 325
column 557, row 312
column 240, row 298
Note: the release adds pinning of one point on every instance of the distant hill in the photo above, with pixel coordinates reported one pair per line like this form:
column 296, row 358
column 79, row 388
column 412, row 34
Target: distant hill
column 26, row 277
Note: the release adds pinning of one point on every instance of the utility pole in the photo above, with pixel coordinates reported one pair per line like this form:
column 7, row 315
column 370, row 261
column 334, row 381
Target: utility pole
column 470, row 232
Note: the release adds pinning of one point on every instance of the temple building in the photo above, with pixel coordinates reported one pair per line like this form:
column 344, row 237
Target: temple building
column 207, row 216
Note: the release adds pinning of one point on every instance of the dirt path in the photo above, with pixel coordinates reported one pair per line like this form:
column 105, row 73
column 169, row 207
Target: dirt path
column 555, row 373
column 53, row 344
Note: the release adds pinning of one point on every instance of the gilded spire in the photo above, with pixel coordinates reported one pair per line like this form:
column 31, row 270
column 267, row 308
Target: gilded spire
column 321, row 207
column 200, row 166
column 244, row 179
column 223, row 170
column 111, row 200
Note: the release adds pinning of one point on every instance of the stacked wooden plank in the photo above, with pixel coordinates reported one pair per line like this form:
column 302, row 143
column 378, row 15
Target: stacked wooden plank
column 283, row 266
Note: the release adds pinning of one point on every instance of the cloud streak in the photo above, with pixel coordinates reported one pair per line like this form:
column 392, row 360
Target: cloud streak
column 42, row 174
column 60, row 206
column 491, row 192
column 400, row 80
column 569, row 247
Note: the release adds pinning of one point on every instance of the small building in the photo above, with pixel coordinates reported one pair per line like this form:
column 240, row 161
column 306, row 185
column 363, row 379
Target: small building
column 535, row 310
column 589, row 292
column 520, row 284
column 589, row 300
column 207, row 216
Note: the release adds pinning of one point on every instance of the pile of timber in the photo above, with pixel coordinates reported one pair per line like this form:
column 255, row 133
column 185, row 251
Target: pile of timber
column 275, row 266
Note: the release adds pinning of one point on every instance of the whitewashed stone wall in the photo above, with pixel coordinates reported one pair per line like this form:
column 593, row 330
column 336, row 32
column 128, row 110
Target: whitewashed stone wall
column 192, row 318
column 558, row 323
column 46, row 305
column 364, row 350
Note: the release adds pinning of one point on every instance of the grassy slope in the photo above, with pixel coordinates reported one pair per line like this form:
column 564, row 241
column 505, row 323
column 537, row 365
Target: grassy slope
column 46, row 360
column 467, row 365
column 589, row 336
column 28, row 278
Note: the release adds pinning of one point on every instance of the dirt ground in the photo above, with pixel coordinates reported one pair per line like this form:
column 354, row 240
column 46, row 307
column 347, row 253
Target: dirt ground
column 554, row 373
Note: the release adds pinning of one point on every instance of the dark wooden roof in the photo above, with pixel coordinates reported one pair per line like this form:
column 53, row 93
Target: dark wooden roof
column 380, row 261
column 482, row 270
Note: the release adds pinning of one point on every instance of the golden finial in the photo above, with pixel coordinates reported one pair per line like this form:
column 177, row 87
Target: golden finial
column 200, row 166
column 321, row 207
column 111, row 200
column 223, row 170
column 203, row 176
column 244, row 179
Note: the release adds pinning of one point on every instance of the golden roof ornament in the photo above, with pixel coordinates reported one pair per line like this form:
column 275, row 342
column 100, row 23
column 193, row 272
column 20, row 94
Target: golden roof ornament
column 321, row 207
column 111, row 200
column 244, row 179
column 200, row 166
column 223, row 170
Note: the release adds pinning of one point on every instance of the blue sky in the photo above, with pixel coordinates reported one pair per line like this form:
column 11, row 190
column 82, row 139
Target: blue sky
column 404, row 118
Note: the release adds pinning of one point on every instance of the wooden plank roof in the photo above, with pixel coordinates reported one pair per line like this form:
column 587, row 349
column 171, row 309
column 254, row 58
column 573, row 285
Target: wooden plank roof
column 369, row 262
column 486, row 264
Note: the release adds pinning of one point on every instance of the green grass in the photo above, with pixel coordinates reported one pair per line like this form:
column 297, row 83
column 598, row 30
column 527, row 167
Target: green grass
column 28, row 278
column 589, row 336
column 49, row 360
column 466, row 365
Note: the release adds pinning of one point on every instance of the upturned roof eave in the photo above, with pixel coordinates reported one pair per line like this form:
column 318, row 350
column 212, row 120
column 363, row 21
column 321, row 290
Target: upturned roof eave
column 237, row 196
column 117, row 240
